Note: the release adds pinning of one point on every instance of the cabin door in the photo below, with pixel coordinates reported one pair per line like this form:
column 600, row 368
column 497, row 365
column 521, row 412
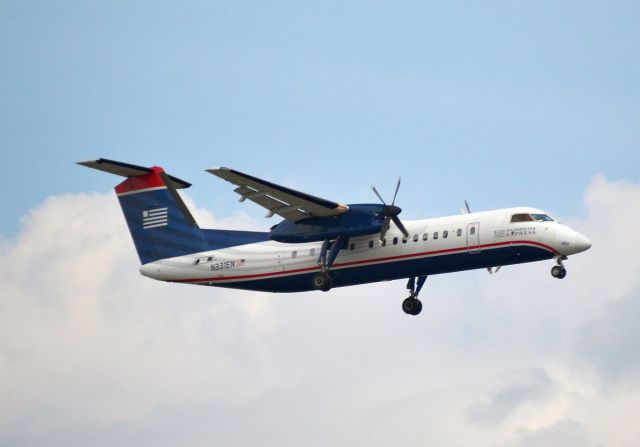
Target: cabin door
column 473, row 237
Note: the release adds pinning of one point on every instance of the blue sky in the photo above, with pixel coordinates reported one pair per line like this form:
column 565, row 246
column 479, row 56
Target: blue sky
column 501, row 103
column 505, row 104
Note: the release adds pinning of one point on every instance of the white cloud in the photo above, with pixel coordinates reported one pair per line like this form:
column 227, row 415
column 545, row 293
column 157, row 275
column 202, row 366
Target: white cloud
column 85, row 338
column 609, row 343
column 93, row 353
column 565, row 433
column 526, row 386
column 239, row 220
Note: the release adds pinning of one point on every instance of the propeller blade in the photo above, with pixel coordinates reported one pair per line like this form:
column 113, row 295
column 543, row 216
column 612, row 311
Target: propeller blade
column 385, row 227
column 390, row 212
column 396, row 193
column 467, row 206
column 378, row 194
column 396, row 220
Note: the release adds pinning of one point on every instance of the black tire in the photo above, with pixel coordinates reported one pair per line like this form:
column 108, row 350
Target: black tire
column 322, row 281
column 563, row 273
column 556, row 271
column 418, row 308
column 329, row 284
column 411, row 306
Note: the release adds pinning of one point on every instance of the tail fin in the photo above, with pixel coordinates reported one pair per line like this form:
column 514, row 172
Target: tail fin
column 160, row 223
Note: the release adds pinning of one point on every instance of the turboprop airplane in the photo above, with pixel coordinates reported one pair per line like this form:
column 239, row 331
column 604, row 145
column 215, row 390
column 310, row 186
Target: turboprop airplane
column 322, row 244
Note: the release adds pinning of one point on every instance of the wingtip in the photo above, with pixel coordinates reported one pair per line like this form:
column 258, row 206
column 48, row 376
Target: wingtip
column 217, row 169
column 95, row 162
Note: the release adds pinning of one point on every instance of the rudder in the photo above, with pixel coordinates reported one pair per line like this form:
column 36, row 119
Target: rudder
column 159, row 222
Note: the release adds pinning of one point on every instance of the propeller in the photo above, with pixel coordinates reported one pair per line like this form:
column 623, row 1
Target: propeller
column 390, row 213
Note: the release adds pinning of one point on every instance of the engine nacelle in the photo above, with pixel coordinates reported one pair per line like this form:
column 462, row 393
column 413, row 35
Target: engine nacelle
column 359, row 220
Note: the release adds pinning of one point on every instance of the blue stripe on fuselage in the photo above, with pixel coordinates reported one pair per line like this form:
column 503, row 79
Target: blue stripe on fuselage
column 399, row 269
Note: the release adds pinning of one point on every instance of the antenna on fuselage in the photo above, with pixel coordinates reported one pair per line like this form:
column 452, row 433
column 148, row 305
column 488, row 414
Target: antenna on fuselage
column 466, row 210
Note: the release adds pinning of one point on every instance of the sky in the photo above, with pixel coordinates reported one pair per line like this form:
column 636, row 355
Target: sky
column 500, row 103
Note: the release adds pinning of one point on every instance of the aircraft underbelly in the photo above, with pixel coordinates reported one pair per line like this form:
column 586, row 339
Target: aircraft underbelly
column 432, row 265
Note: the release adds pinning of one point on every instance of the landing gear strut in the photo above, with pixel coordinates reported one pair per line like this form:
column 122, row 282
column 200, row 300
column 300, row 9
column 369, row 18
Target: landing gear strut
column 328, row 253
column 412, row 305
column 558, row 271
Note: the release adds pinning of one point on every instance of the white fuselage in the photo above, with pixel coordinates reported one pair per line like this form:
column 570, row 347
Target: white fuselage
column 439, row 245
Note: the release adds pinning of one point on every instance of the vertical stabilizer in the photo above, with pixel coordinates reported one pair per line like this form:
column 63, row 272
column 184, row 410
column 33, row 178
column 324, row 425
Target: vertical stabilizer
column 159, row 222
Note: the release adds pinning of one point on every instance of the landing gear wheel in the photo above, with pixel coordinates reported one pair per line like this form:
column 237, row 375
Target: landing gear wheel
column 412, row 306
column 322, row 281
column 558, row 272
column 419, row 308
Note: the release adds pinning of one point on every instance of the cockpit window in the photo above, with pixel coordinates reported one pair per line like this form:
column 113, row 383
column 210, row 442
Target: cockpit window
column 524, row 217
column 542, row 218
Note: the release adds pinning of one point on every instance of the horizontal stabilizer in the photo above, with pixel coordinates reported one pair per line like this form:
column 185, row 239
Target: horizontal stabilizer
column 128, row 170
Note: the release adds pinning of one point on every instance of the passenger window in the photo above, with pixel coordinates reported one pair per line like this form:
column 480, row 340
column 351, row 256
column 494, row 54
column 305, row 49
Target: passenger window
column 370, row 244
column 352, row 246
column 395, row 241
column 425, row 236
column 404, row 240
column 210, row 258
column 525, row 217
column 312, row 252
column 435, row 235
column 472, row 231
column 294, row 254
column 415, row 238
column 445, row 234
column 459, row 232
column 197, row 262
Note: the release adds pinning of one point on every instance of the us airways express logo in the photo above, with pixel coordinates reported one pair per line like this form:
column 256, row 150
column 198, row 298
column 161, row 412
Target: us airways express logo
column 523, row 231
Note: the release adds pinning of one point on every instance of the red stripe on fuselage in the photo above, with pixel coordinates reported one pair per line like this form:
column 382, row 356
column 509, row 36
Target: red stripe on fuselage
column 367, row 261
column 138, row 182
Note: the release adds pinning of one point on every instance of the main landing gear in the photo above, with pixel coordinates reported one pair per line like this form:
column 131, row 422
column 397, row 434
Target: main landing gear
column 322, row 281
column 328, row 253
column 412, row 305
column 558, row 271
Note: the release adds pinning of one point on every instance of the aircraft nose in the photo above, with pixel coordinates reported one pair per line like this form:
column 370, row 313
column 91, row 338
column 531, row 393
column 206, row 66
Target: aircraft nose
column 581, row 242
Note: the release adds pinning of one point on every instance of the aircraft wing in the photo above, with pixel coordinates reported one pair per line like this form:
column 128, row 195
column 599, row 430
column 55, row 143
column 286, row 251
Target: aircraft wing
column 288, row 203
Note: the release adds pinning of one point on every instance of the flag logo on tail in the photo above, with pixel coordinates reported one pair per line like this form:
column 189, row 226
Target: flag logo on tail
column 157, row 217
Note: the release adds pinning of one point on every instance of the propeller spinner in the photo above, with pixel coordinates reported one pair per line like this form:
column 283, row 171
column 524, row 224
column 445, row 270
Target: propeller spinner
column 390, row 213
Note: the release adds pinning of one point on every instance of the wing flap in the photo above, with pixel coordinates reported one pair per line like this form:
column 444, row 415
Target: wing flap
column 275, row 206
column 268, row 202
column 293, row 215
column 290, row 204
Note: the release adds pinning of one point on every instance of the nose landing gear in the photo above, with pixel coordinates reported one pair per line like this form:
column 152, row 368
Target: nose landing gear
column 412, row 305
column 558, row 271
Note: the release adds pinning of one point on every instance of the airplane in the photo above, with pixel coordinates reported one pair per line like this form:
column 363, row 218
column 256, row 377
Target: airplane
column 321, row 244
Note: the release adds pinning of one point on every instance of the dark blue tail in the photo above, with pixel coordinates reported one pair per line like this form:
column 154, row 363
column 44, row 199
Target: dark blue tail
column 160, row 224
